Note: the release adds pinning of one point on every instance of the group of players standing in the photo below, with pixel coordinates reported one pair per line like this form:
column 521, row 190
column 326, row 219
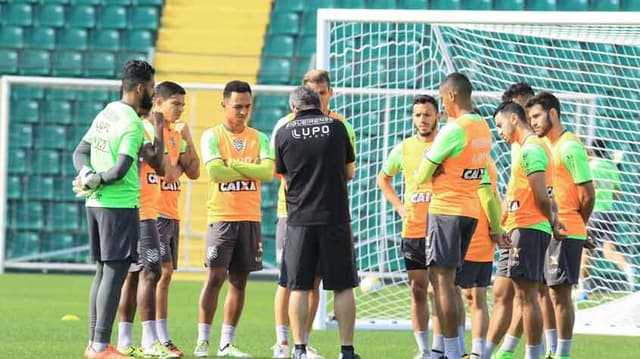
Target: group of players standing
column 453, row 217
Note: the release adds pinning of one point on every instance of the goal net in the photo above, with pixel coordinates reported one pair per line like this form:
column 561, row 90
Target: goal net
column 379, row 59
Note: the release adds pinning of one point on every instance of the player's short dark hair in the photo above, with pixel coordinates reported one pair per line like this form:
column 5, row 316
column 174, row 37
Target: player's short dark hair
column 235, row 86
column 516, row 90
column 508, row 108
column 316, row 76
column 304, row 98
column 459, row 83
column 136, row 72
column 545, row 99
column 166, row 89
column 425, row 99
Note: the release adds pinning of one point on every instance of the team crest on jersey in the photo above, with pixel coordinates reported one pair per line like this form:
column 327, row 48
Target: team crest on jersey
column 238, row 144
column 513, row 206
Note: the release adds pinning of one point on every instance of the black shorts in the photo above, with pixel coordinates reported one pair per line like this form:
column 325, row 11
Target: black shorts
column 414, row 253
column 503, row 262
column 234, row 245
column 448, row 239
column 602, row 227
column 527, row 254
column 113, row 233
column 562, row 262
column 148, row 248
column 329, row 248
column 474, row 274
column 169, row 231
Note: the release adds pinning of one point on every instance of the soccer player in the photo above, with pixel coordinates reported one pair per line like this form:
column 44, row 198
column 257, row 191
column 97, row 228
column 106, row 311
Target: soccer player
column 237, row 159
column 575, row 194
column 406, row 157
column 106, row 159
column 507, row 316
column 457, row 163
column 475, row 274
column 315, row 156
column 180, row 157
column 140, row 286
column 317, row 80
column 602, row 223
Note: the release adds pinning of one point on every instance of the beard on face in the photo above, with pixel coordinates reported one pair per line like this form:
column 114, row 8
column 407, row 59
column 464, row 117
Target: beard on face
column 428, row 131
column 146, row 102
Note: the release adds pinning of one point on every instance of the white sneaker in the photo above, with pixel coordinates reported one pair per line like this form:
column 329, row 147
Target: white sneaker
column 422, row 354
column 157, row 350
column 231, row 351
column 280, row 351
column 202, row 349
column 312, row 353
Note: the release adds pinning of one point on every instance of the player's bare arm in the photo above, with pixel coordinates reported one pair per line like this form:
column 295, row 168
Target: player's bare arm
column 384, row 183
column 587, row 199
column 189, row 160
column 538, row 186
column 153, row 153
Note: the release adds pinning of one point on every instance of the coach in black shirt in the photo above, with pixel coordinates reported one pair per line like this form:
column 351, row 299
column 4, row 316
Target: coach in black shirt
column 316, row 158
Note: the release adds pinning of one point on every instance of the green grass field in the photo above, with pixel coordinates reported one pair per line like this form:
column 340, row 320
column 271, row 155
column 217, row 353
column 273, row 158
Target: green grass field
column 32, row 306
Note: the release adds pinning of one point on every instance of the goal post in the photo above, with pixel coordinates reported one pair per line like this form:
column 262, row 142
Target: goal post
column 590, row 60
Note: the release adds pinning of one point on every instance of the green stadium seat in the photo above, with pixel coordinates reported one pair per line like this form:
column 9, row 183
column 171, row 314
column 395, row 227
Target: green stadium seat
column 63, row 216
column 42, row 38
column 509, row 5
column 630, row 5
column 351, row 4
column 267, row 117
column 18, row 14
column 58, row 111
column 51, row 15
column 82, row 16
column 29, row 215
column 306, row 46
column 106, row 39
column 319, row 4
column 58, row 242
column 40, row 188
column 8, row 61
column 62, row 2
column 573, row 5
column 73, row 39
column 382, row 4
column 46, row 162
column 51, row 137
column 96, row 95
column 413, row 4
column 148, row 2
column 477, row 4
column 120, row 2
column 88, row 2
column 139, row 40
column 67, row 64
column 123, row 57
column 35, row 62
column 445, row 5
column 114, row 17
column 100, row 64
column 541, row 5
column 22, row 244
column 25, row 111
column 309, row 23
column 20, row 135
column 284, row 23
column 279, row 46
column 86, row 111
column 275, row 71
column 62, row 184
column 301, row 66
column 268, row 100
column 14, row 187
column 145, row 18
column 605, row 5
column 18, row 162
column 289, row 5
column 12, row 36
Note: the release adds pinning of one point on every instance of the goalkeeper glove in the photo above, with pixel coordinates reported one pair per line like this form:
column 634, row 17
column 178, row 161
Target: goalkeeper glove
column 89, row 179
column 79, row 190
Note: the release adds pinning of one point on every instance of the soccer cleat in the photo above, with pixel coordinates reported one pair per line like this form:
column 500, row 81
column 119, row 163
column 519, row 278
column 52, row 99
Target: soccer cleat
column 312, row 353
column 436, row 354
column 299, row 354
column 109, row 353
column 174, row 349
column 349, row 356
column 465, row 356
column 424, row 354
column 502, row 354
column 232, row 351
column 202, row 349
column 280, row 351
column 132, row 351
column 550, row 356
column 158, row 350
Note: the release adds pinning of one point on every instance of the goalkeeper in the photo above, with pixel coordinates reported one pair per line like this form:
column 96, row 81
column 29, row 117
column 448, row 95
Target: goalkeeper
column 108, row 177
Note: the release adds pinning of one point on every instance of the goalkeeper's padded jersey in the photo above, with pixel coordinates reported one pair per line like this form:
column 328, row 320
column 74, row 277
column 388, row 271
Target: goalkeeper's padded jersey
column 149, row 186
column 117, row 129
column 282, row 203
column 236, row 200
column 462, row 149
column 174, row 145
column 481, row 247
column 406, row 157
column 532, row 156
column 571, row 168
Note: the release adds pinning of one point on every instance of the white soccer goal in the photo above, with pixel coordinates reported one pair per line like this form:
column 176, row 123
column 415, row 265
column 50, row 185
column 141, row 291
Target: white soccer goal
column 590, row 60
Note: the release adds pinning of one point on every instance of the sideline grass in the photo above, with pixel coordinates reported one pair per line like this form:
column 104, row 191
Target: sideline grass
column 32, row 306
